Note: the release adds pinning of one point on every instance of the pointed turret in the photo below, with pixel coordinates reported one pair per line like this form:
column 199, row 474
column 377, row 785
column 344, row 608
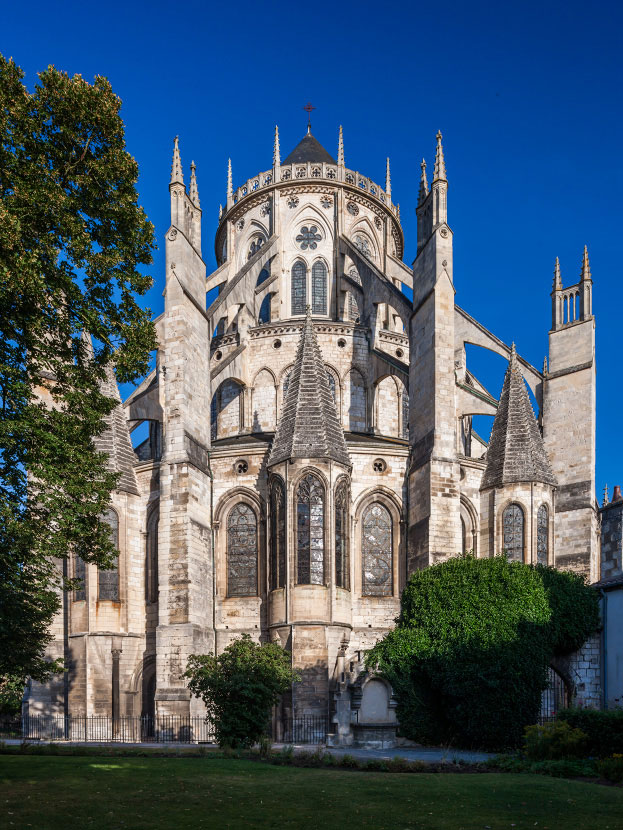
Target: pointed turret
column 586, row 268
column 440, row 164
column 230, row 188
column 388, row 181
column 309, row 426
column 545, row 366
column 516, row 451
column 557, row 278
column 194, row 190
column 423, row 183
column 276, row 150
column 340, row 148
column 177, row 176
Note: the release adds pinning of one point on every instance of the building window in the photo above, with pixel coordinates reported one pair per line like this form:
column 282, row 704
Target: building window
column 377, row 552
column 542, row 535
column 362, row 243
column 108, row 581
column 151, row 559
column 310, row 531
column 342, row 559
column 405, row 413
column 308, row 237
column 264, row 316
column 277, row 535
column 513, row 526
column 80, row 572
column 241, row 552
column 331, row 380
column 319, row 288
column 299, row 287
column 254, row 247
column 353, row 308
column 264, row 275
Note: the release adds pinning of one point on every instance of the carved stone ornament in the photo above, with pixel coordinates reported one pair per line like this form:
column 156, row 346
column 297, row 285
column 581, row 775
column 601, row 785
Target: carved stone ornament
column 326, row 202
column 172, row 234
column 293, row 201
column 265, row 209
column 352, row 209
column 240, row 224
column 444, row 232
column 378, row 223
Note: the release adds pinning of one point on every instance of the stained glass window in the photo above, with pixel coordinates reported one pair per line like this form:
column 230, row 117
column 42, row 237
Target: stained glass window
column 80, row 572
column 405, row 413
column 310, row 532
column 319, row 288
column 299, row 287
column 286, row 383
column 241, row 552
column 308, row 237
column 254, row 247
column 277, row 535
column 377, row 552
column 342, row 560
column 513, row 521
column 331, row 380
column 151, row 558
column 108, row 581
column 264, row 316
column 542, row 535
column 363, row 245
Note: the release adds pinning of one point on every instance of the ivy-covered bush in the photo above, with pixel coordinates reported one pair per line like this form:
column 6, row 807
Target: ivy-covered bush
column 468, row 659
column 604, row 729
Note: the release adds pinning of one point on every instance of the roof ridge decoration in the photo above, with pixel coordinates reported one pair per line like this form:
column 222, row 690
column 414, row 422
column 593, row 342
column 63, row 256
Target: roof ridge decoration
column 516, row 450
column 309, row 426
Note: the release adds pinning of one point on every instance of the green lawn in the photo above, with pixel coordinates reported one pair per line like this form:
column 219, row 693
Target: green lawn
column 61, row 793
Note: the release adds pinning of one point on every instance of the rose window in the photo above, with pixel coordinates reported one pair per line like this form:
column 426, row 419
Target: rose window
column 308, row 237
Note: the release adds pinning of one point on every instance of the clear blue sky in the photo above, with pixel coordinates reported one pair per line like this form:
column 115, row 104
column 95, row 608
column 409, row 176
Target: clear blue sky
column 527, row 95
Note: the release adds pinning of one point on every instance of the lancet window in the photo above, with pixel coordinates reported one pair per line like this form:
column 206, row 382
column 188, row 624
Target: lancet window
column 264, row 315
column 319, row 288
column 108, row 581
column 513, row 529
column 80, row 572
column 151, row 558
column 277, row 535
column 242, row 552
column 310, row 531
column 299, row 287
column 542, row 535
column 377, row 552
column 342, row 557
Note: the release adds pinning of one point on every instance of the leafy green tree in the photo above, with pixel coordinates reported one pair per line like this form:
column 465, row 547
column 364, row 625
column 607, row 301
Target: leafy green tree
column 72, row 242
column 240, row 686
column 469, row 656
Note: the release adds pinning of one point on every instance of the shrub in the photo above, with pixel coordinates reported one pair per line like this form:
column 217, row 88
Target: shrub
column 604, row 729
column 240, row 686
column 611, row 768
column 554, row 741
column 575, row 609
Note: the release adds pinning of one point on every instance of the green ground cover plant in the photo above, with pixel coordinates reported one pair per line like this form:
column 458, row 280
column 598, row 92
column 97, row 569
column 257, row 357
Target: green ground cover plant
column 97, row 793
column 604, row 730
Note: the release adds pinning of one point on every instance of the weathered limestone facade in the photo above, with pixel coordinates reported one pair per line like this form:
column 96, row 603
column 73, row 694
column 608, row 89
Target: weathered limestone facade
column 311, row 445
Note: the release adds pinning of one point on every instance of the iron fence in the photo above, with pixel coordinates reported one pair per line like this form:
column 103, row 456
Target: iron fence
column 554, row 698
column 103, row 729
column 307, row 729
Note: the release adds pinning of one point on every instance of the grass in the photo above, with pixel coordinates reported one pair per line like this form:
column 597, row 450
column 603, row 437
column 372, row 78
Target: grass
column 62, row 793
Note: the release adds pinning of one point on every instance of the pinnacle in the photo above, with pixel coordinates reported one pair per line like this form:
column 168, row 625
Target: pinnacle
column 423, row 183
column 586, row 268
column 340, row 148
column 194, row 190
column 230, row 189
column 388, row 181
column 440, row 164
column 177, row 176
column 557, row 277
column 276, row 149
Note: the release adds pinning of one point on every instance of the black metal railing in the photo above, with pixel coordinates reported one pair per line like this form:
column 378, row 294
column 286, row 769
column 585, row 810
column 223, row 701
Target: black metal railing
column 554, row 698
column 103, row 729
column 307, row 729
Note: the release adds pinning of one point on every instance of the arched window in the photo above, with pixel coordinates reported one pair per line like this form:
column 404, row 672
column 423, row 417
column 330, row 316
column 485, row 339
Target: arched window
column 264, row 275
column 377, row 552
column 353, row 307
column 342, row 558
column 80, row 572
column 310, row 532
column 277, row 535
column 542, row 535
column 405, row 413
column 108, row 581
column 331, row 380
column 254, row 247
column 299, row 287
column 241, row 552
column 264, row 315
column 513, row 522
column 319, row 287
column 151, row 558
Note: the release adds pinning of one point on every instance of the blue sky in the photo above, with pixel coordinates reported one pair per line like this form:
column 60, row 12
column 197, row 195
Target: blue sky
column 528, row 97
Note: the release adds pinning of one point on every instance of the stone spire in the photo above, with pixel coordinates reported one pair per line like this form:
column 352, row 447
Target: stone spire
column 340, row 148
column 557, row 278
column 545, row 366
column 388, row 181
column 194, row 190
column 516, row 451
column 276, row 151
column 586, row 268
column 423, row 184
column 230, row 188
column 177, row 176
column 440, row 164
column 309, row 426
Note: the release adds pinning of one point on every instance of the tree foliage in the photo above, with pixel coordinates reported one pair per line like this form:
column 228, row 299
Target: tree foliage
column 240, row 686
column 72, row 242
column 469, row 656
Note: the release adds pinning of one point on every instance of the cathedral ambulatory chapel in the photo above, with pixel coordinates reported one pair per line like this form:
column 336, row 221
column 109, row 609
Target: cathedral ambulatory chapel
column 310, row 445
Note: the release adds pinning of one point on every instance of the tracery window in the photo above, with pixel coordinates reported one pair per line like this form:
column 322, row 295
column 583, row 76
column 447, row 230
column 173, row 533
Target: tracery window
column 108, row 581
column 254, row 247
column 377, row 552
column 331, row 380
column 342, row 558
column 277, row 535
column 308, row 237
column 310, row 531
column 80, row 572
column 542, row 535
column 319, row 288
column 151, row 558
column 242, row 552
column 299, row 287
column 353, row 307
column 362, row 243
column 513, row 528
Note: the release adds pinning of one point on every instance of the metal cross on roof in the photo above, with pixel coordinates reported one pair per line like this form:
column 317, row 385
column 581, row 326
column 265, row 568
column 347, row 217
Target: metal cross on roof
column 308, row 109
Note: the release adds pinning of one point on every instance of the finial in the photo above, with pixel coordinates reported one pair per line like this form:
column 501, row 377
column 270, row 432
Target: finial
column 177, row 177
column 545, row 367
column 193, row 190
column 557, row 277
column 230, row 189
column 513, row 354
column 586, row 268
column 388, row 181
column 276, row 153
column 423, row 183
column 340, row 149
column 220, row 212
column 440, row 164
column 606, row 501
column 308, row 109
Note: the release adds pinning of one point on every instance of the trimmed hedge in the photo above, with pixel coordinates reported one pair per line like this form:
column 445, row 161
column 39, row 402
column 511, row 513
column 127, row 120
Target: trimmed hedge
column 603, row 729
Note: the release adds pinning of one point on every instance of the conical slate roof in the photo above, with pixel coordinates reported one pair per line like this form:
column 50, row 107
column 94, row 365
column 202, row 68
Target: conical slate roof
column 516, row 450
column 309, row 149
column 309, row 426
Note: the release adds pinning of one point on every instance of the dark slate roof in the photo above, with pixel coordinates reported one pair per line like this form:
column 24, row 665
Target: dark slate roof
column 309, row 426
column 115, row 440
column 516, row 451
column 309, row 149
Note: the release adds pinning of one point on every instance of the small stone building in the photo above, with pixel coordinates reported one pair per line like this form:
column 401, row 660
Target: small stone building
column 309, row 444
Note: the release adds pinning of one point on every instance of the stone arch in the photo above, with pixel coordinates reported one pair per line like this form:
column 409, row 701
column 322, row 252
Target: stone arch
column 301, row 216
column 264, row 402
column 376, row 701
column 355, row 401
column 336, row 387
column 224, row 506
column 388, row 417
column 469, row 525
column 256, row 230
column 227, row 409
column 387, row 499
column 364, row 227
